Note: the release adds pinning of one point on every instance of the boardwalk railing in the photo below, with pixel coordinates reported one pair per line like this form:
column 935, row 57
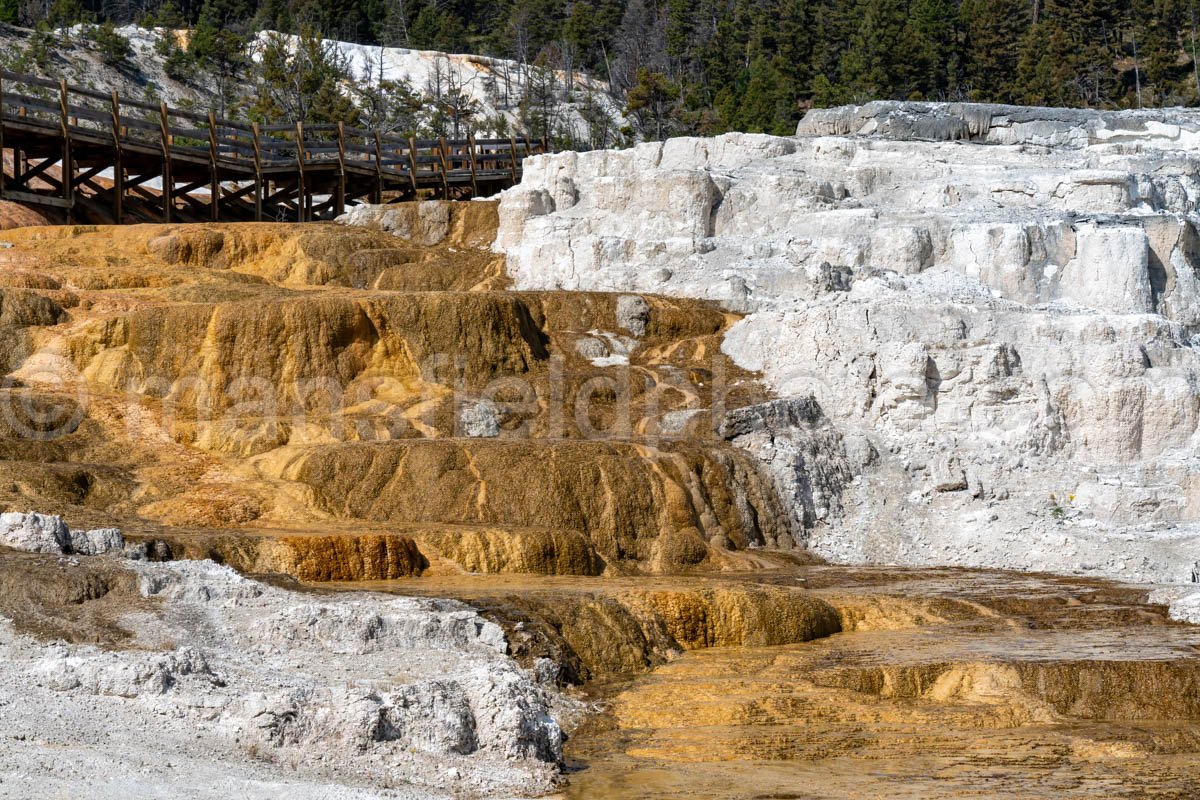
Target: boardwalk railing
column 124, row 160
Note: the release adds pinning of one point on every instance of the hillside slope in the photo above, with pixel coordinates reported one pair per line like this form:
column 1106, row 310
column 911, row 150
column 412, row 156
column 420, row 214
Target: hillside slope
column 492, row 96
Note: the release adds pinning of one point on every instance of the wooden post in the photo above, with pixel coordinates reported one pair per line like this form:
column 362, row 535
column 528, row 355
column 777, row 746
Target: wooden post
column 339, row 199
column 412, row 164
column 512, row 164
column 215, row 187
column 20, row 158
column 164, row 130
column 258, row 178
column 301, row 186
column 118, row 162
column 471, row 163
column 377, row 198
column 442, row 156
column 68, row 166
column 14, row 159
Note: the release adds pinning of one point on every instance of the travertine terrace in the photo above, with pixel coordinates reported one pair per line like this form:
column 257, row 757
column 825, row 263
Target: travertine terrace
column 995, row 307
column 679, row 450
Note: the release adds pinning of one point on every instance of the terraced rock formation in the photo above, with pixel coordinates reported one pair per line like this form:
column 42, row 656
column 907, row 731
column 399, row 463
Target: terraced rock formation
column 995, row 308
column 944, row 684
column 348, row 404
column 257, row 436
column 330, row 404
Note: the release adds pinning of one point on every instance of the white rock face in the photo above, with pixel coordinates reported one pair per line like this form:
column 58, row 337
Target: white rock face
column 1183, row 603
column 429, row 224
column 993, row 123
column 237, row 689
column 37, row 533
column 43, row 533
column 1009, row 324
column 495, row 86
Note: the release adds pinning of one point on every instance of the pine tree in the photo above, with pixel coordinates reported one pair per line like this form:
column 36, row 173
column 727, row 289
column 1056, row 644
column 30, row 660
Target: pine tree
column 10, row 11
column 218, row 46
column 1155, row 46
column 1046, row 71
column 301, row 82
column 767, row 104
column 994, row 31
column 437, row 29
column 653, row 100
column 113, row 47
column 878, row 62
column 331, row 105
column 933, row 29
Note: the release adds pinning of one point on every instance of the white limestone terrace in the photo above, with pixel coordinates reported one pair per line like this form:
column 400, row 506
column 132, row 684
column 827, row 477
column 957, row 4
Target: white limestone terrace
column 997, row 309
column 232, row 688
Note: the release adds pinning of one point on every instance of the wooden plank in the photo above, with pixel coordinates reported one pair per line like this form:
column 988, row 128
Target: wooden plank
column 258, row 177
column 471, row 162
column 34, row 199
column 442, row 161
column 340, row 197
column 412, row 163
column 302, row 198
column 378, row 197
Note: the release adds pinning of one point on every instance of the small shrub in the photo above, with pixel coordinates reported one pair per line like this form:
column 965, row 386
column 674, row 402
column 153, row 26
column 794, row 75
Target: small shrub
column 114, row 48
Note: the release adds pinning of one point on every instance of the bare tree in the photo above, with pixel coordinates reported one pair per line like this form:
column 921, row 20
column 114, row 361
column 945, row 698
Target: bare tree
column 1195, row 61
column 519, row 35
column 568, row 55
column 450, row 106
column 641, row 43
column 388, row 106
column 395, row 23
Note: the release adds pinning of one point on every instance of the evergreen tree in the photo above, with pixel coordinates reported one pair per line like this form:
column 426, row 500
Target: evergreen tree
column 878, row 62
column 10, row 11
column 1154, row 45
column 766, row 105
column 301, row 83
column 219, row 48
column 652, row 99
column 933, row 29
column 1046, row 72
column 390, row 107
column 438, row 29
column 112, row 46
column 994, row 31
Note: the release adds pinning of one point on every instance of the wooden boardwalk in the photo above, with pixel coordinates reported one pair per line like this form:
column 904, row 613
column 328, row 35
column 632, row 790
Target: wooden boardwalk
column 104, row 157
